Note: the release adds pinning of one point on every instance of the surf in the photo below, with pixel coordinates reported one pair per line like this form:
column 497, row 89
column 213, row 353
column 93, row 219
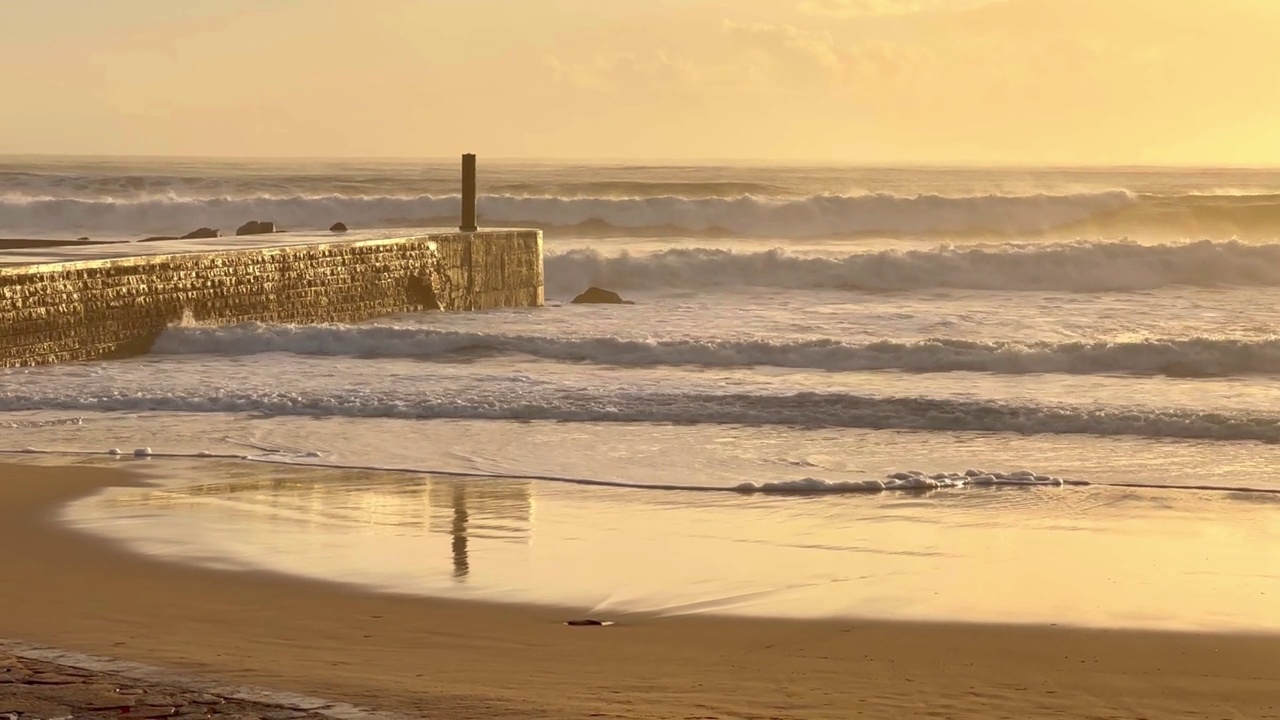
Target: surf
column 1175, row 357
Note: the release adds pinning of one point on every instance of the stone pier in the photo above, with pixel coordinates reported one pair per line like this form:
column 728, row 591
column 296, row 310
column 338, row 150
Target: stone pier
column 90, row 302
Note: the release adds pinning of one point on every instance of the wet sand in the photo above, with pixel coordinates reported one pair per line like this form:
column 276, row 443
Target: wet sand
column 443, row 659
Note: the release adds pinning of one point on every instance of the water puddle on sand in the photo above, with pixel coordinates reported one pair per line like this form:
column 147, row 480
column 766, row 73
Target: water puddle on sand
column 1097, row 556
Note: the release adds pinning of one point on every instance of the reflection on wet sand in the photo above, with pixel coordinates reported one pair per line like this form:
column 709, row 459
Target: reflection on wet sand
column 1083, row 555
column 378, row 503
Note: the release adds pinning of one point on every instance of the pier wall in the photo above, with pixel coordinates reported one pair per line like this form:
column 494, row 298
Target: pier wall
column 118, row 306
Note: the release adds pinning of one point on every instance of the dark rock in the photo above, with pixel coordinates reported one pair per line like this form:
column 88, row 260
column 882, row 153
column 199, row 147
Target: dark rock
column 256, row 227
column 86, row 237
column 338, row 227
column 600, row 296
column 159, row 237
column 202, row 233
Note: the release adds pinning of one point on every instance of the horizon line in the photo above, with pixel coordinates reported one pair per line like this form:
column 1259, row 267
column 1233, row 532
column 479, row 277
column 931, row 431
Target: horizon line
column 632, row 160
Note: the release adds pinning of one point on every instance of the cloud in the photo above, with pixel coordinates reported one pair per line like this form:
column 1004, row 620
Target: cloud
column 876, row 59
column 772, row 59
column 790, row 54
column 873, row 8
column 658, row 70
column 816, row 48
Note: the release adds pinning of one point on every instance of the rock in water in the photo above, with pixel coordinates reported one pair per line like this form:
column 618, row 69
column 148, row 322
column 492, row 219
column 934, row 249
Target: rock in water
column 201, row 234
column 256, row 227
column 338, row 227
column 595, row 295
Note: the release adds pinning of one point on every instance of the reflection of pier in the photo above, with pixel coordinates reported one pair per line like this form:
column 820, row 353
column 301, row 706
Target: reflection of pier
column 358, row 501
column 478, row 508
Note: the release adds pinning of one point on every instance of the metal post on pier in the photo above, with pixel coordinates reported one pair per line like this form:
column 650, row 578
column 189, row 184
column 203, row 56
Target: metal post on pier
column 468, row 193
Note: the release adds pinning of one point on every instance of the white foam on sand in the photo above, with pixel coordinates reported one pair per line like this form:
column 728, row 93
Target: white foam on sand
column 911, row 480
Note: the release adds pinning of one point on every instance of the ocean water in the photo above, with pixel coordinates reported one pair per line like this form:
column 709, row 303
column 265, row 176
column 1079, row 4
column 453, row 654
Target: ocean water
column 1043, row 395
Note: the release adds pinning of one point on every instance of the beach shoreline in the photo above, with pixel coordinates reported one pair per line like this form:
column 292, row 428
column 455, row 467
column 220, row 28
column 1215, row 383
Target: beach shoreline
column 439, row 658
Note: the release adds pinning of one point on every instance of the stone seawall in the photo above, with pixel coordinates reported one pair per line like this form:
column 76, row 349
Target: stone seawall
column 118, row 306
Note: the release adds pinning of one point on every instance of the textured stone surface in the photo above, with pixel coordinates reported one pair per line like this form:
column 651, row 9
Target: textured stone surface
column 46, row 683
column 60, row 312
column 36, row 689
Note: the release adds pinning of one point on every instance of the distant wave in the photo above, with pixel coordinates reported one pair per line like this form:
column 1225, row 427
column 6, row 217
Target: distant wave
column 256, row 181
column 1071, row 267
column 747, row 215
column 741, row 216
column 1194, row 357
column 804, row 409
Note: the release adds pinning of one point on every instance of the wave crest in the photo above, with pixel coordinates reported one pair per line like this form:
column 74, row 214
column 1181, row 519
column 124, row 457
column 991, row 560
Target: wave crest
column 1193, row 357
column 1071, row 267
column 740, row 216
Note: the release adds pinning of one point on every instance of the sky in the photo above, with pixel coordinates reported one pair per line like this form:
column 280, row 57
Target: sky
column 854, row 81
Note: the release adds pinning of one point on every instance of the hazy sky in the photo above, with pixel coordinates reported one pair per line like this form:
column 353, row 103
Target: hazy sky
column 866, row 81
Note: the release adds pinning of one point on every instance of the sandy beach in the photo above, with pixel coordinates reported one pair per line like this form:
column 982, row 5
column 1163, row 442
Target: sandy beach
column 440, row 659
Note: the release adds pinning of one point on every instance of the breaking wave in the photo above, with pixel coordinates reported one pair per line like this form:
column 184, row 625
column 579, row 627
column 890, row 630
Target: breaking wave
column 1193, row 357
column 1071, row 267
column 741, row 216
column 747, row 215
column 802, row 409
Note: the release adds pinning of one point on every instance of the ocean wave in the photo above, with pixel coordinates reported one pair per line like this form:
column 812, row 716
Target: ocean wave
column 741, row 216
column 1082, row 266
column 1193, row 357
column 122, row 197
column 133, row 184
column 803, row 409
column 746, row 215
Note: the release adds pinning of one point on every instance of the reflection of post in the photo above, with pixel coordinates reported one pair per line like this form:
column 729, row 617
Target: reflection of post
column 461, row 563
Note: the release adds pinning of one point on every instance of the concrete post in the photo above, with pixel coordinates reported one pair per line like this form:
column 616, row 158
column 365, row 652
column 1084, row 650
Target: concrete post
column 468, row 193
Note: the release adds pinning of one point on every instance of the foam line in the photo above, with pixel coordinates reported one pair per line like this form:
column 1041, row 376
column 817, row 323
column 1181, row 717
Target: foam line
column 912, row 480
